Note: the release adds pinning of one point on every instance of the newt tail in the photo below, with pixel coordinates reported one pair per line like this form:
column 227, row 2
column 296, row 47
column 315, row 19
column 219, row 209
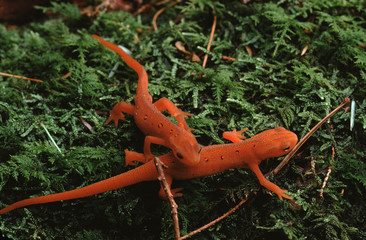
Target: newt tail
column 142, row 85
column 146, row 172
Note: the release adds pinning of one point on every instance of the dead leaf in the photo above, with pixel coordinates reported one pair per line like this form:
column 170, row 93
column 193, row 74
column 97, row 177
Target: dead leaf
column 195, row 58
column 180, row 47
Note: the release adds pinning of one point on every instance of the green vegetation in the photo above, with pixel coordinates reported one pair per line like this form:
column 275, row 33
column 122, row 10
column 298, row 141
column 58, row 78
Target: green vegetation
column 276, row 86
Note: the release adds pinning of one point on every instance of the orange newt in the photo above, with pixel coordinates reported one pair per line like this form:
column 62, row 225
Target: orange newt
column 214, row 159
column 148, row 117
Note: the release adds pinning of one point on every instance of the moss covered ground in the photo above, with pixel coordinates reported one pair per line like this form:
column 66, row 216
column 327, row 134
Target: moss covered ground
column 294, row 62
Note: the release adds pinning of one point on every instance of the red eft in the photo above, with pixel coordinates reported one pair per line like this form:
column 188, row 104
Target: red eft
column 148, row 117
column 214, row 159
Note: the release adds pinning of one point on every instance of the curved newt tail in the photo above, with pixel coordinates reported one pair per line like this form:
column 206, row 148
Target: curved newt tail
column 146, row 172
column 142, row 85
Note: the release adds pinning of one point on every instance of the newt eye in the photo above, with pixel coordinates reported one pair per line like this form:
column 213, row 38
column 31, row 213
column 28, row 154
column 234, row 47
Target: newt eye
column 180, row 156
column 286, row 149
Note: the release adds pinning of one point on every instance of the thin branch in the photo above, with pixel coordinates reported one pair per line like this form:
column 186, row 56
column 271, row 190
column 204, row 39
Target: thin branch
column 166, row 187
column 20, row 77
column 329, row 168
column 210, row 40
column 215, row 221
column 306, row 137
column 325, row 180
column 228, row 58
column 157, row 14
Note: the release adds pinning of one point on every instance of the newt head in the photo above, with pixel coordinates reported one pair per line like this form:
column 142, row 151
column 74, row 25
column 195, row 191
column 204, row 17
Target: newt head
column 274, row 143
column 185, row 148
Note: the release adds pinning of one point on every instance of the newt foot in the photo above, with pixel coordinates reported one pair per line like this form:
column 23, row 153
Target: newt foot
column 282, row 194
column 115, row 116
column 175, row 192
column 180, row 112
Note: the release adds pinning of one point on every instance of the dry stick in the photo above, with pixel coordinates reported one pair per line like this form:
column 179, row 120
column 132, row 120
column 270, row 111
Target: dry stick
column 174, row 206
column 161, row 2
column 306, row 137
column 325, row 180
column 166, row 187
column 228, row 58
column 141, row 9
column 329, row 169
column 20, row 77
column 216, row 220
column 210, row 40
column 160, row 12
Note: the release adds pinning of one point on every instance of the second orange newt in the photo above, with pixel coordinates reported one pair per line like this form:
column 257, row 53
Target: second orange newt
column 148, row 117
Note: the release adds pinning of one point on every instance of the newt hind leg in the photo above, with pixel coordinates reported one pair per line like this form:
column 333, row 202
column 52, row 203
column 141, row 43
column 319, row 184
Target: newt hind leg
column 135, row 156
column 131, row 156
column 175, row 192
column 147, row 155
column 118, row 110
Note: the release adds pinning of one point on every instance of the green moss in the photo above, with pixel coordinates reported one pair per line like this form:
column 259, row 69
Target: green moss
column 274, row 87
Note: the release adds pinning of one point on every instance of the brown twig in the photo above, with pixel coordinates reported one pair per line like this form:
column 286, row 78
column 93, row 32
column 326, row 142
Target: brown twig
column 325, row 180
column 210, row 40
column 156, row 15
column 142, row 9
column 329, row 168
column 174, row 206
column 228, row 58
column 161, row 2
column 216, row 220
column 166, row 187
column 306, row 137
column 20, row 77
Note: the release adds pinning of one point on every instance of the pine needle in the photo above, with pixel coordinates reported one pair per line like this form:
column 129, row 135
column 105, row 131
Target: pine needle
column 49, row 135
column 20, row 77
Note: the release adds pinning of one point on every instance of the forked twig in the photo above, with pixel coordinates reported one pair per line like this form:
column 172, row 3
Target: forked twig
column 173, row 204
column 306, row 137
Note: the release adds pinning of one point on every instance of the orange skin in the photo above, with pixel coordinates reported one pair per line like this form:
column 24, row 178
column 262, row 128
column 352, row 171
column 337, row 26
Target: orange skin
column 214, row 159
column 148, row 117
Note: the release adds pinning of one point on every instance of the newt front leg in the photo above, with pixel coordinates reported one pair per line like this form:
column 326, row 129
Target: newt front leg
column 267, row 184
